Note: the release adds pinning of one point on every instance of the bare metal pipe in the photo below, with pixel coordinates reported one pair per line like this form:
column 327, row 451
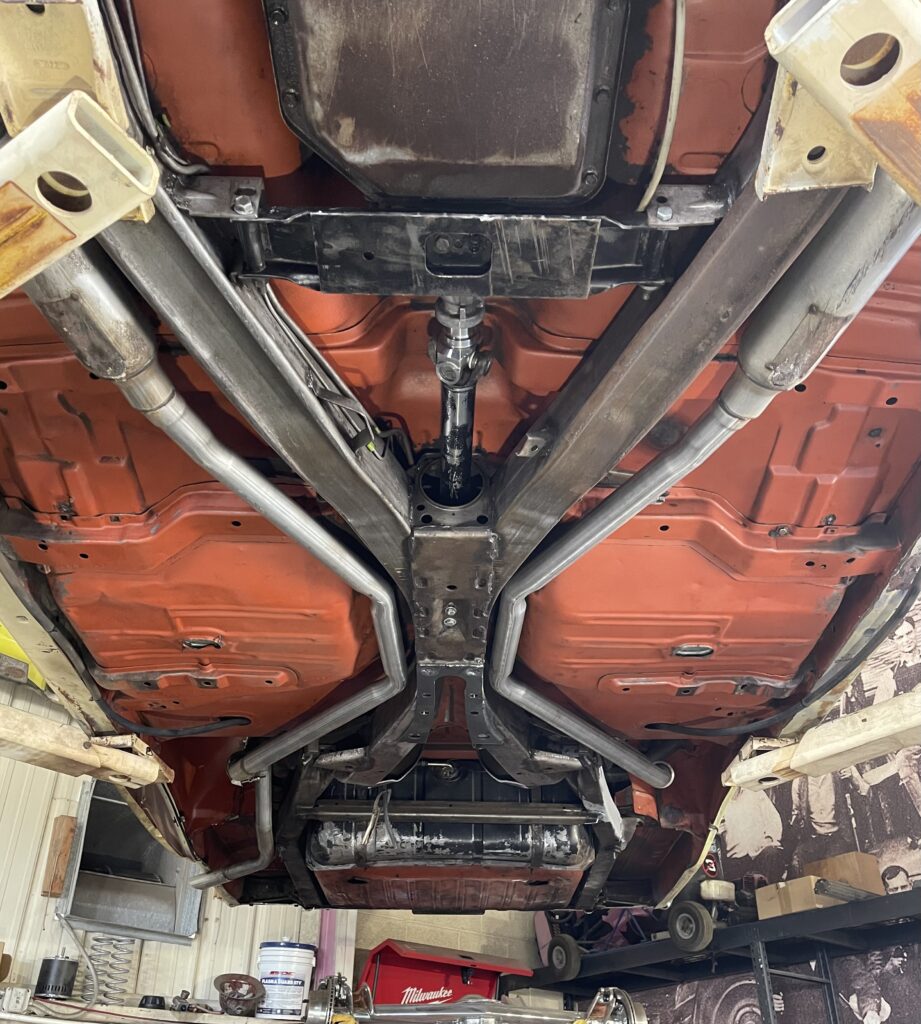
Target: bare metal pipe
column 786, row 338
column 482, row 812
column 265, row 838
column 256, row 366
column 315, row 728
column 470, row 1010
column 84, row 299
column 178, row 421
column 659, row 775
column 632, row 497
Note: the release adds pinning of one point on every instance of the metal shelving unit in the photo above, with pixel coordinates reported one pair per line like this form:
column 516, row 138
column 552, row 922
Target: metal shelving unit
column 766, row 949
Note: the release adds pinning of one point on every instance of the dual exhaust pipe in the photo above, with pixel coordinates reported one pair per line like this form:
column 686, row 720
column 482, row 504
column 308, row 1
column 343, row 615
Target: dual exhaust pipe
column 85, row 299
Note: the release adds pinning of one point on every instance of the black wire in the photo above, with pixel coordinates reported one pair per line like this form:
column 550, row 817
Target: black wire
column 911, row 595
column 213, row 725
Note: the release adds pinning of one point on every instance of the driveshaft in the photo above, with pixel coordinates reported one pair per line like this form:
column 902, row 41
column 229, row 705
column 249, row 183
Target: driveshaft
column 459, row 363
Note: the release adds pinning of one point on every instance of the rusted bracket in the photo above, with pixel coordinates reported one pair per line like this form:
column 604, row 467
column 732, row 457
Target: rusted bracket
column 805, row 147
column 67, row 176
column 50, row 50
column 851, row 78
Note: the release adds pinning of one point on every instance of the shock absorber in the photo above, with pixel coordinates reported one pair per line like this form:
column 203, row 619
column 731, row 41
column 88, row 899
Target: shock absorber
column 459, row 363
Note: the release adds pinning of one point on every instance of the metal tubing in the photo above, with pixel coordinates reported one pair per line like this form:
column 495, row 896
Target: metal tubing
column 315, row 728
column 786, row 338
column 178, row 421
column 484, row 813
column 630, row 498
column 174, row 268
column 658, row 775
column 83, row 298
column 265, row 839
column 472, row 1009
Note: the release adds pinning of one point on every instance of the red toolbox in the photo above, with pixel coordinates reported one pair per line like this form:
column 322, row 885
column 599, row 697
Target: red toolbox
column 409, row 972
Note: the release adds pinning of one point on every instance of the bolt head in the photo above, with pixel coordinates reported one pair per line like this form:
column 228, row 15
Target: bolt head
column 590, row 178
column 664, row 213
column 449, row 372
column 278, row 16
column 442, row 245
column 449, row 622
column 450, row 609
column 290, row 97
column 244, row 205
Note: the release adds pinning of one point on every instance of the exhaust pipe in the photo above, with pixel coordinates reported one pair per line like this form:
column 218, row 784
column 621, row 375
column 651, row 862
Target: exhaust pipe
column 786, row 338
column 657, row 774
column 265, row 838
column 85, row 300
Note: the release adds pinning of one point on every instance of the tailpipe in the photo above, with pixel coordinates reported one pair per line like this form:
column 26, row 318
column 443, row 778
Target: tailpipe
column 265, row 839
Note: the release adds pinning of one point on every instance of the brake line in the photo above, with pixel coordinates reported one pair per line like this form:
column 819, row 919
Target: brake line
column 212, row 725
column 674, row 98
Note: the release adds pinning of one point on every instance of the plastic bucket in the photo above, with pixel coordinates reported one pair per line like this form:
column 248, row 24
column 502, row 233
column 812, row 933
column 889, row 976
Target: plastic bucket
column 285, row 969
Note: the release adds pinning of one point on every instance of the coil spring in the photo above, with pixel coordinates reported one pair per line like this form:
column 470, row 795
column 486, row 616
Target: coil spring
column 113, row 958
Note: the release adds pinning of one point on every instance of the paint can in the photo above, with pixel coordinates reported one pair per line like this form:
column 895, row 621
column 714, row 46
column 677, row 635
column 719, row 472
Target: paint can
column 285, row 969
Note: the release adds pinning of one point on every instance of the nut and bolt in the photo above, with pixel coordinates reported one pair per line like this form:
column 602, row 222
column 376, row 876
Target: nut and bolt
column 449, row 622
column 450, row 609
column 278, row 16
column 781, row 531
column 664, row 213
column 829, row 520
column 244, row 204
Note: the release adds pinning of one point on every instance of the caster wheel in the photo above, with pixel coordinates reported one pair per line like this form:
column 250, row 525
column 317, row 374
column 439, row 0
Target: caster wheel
column 563, row 958
column 690, row 926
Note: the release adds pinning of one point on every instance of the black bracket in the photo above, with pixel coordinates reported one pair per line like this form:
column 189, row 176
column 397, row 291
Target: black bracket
column 525, row 255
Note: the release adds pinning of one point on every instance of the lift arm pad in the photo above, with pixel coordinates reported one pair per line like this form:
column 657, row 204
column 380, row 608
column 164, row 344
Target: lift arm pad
column 884, row 728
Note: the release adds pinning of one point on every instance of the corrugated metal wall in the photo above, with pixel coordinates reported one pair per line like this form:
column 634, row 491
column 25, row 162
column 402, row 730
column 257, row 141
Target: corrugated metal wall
column 30, row 799
column 228, row 941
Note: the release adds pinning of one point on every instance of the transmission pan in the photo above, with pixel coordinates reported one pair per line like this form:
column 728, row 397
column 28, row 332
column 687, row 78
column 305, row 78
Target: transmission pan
column 462, row 101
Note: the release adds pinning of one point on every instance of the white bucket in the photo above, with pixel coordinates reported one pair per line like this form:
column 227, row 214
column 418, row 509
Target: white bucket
column 285, row 969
